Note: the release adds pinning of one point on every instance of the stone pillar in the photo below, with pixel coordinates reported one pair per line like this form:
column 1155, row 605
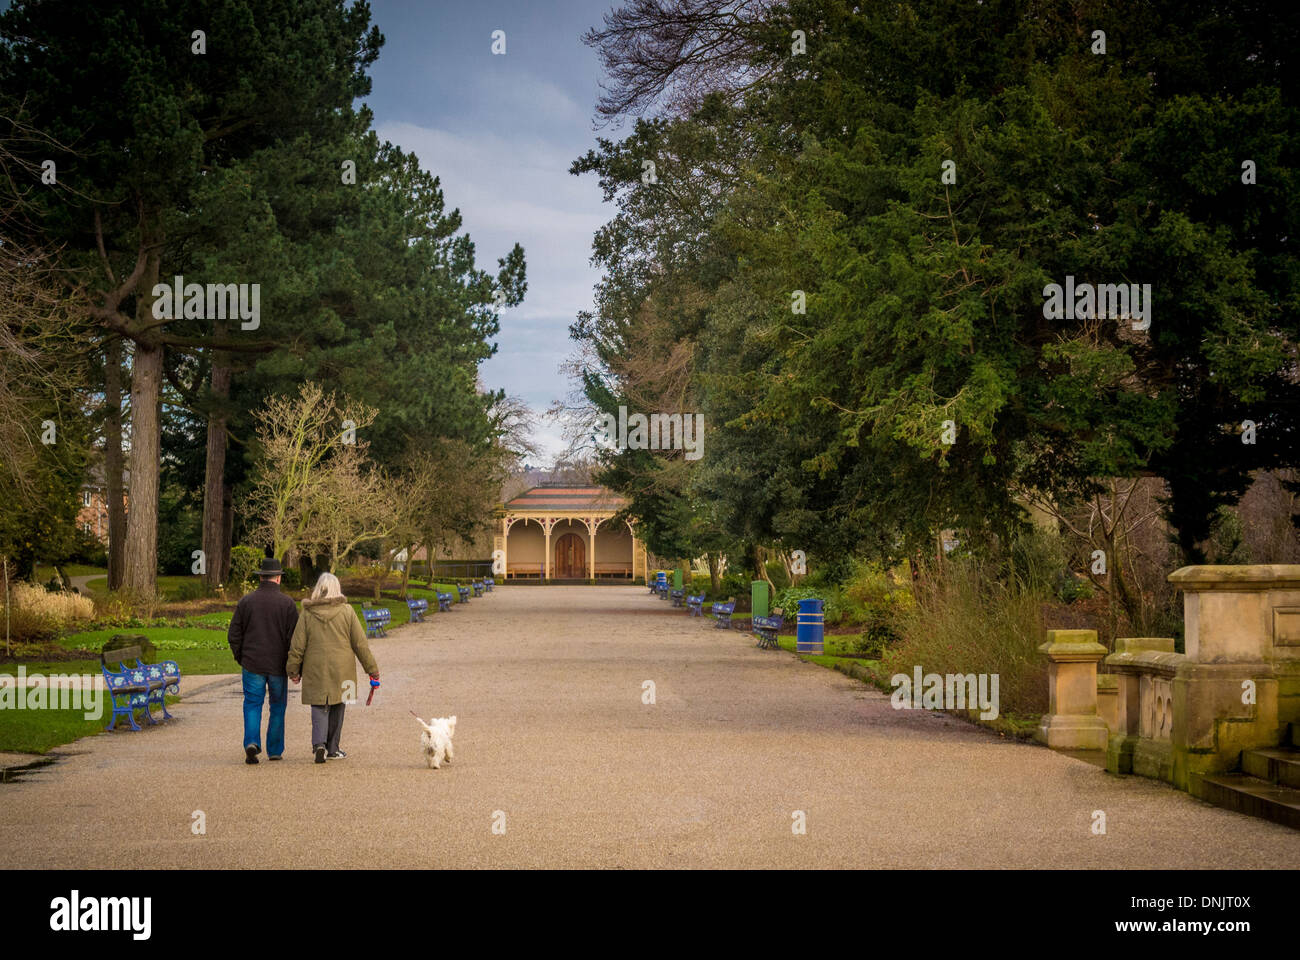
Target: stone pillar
column 547, row 523
column 1240, row 686
column 1072, row 722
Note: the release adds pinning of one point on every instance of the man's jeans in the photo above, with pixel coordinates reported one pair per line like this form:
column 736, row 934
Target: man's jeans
column 257, row 687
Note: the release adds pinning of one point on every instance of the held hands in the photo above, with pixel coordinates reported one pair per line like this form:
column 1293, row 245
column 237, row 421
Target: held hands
column 374, row 680
column 296, row 678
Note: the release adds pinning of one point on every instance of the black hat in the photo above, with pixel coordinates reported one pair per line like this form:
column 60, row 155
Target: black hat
column 270, row 567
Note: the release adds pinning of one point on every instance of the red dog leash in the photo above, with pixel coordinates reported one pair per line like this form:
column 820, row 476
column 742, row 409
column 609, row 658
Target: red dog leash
column 374, row 685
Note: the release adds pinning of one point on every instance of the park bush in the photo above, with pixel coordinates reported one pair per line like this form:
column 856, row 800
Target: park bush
column 35, row 613
column 966, row 622
column 244, row 564
column 876, row 598
column 832, row 607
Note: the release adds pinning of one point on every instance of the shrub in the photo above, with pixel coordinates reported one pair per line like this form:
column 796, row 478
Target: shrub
column 1072, row 587
column 244, row 564
column 776, row 573
column 191, row 590
column 788, row 600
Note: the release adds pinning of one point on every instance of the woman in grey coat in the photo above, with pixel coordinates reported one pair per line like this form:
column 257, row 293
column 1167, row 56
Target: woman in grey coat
column 327, row 643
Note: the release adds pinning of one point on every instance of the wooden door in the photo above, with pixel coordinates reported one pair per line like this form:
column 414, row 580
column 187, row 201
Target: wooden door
column 571, row 557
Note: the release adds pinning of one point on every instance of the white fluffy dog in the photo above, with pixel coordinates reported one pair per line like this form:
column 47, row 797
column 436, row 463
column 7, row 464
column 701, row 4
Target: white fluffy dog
column 436, row 740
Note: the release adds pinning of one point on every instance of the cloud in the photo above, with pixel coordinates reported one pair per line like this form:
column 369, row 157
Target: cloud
column 503, row 161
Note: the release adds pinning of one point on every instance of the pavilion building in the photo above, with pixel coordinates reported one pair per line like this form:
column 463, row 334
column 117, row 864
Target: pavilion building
column 568, row 532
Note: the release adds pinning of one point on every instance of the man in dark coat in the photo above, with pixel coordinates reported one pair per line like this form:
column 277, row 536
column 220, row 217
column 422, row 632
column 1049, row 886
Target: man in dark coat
column 259, row 637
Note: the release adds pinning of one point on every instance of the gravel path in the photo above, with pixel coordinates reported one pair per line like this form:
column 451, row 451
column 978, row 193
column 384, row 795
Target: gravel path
column 555, row 743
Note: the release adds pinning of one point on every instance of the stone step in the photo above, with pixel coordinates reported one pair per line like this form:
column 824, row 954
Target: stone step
column 1252, row 796
column 1279, row 765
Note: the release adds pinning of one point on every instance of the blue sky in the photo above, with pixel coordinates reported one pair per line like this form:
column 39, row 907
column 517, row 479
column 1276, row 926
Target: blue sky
column 501, row 131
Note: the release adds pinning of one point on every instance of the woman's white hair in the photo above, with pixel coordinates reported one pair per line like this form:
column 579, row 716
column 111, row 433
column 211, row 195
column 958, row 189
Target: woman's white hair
column 327, row 585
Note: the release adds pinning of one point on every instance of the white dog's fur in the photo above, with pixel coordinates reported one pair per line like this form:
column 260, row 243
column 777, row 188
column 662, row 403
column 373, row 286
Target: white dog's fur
column 436, row 740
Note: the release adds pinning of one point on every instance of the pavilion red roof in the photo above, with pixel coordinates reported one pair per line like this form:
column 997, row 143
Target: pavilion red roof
column 566, row 499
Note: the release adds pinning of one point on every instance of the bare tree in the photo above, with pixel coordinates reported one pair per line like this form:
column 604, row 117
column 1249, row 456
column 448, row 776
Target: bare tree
column 673, row 52
column 38, row 319
column 298, row 436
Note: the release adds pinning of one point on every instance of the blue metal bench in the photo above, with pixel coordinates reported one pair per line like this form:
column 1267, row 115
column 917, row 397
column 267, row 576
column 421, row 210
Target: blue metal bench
column 722, row 614
column 488, row 584
column 766, row 629
column 695, row 606
column 677, row 597
column 464, row 593
column 377, row 620
column 418, row 609
column 132, row 687
column 478, row 588
column 444, row 601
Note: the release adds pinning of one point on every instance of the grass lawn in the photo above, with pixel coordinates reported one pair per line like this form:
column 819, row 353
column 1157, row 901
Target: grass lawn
column 40, row 731
column 44, row 573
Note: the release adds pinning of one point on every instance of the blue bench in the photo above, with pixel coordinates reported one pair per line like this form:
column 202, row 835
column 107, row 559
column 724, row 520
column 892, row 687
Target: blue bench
column 766, row 629
column 695, row 606
column 464, row 593
column 478, row 588
column 418, row 609
column 488, row 584
column 377, row 620
column 677, row 597
column 132, row 687
column 722, row 614
column 444, row 601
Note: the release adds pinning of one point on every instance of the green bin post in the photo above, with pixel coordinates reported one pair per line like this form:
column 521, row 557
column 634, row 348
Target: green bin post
column 677, row 579
column 758, row 598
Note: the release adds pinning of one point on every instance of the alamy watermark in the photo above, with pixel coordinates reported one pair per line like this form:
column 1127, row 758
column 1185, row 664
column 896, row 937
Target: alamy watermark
column 952, row 691
column 213, row 301
column 658, row 431
column 55, row 692
column 1086, row 301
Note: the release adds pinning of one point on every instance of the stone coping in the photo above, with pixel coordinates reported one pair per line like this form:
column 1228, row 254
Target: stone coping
column 1162, row 662
column 1256, row 577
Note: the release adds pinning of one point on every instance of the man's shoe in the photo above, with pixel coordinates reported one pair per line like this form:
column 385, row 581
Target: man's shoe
column 250, row 753
column 320, row 754
column 275, row 758
column 338, row 755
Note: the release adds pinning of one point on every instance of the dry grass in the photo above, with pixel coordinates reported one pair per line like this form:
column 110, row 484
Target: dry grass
column 963, row 623
column 35, row 613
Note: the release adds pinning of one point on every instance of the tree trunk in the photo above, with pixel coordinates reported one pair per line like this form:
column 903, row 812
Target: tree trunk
column 141, row 546
column 227, row 531
column 215, row 544
column 715, row 579
column 113, row 493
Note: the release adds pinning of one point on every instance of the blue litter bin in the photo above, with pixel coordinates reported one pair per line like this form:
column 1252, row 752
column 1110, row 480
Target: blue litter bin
column 810, row 627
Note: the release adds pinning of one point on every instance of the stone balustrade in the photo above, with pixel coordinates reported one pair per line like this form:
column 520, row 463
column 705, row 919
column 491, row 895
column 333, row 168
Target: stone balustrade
column 1144, row 668
column 1179, row 717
